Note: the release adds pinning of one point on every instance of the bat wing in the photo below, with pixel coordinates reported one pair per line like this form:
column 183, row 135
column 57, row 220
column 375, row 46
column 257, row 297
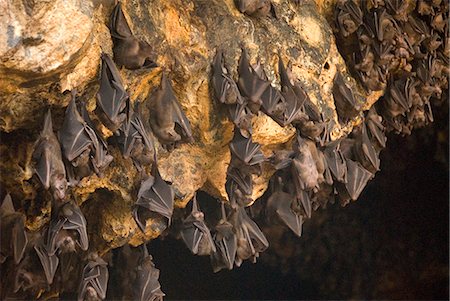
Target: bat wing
column 73, row 136
column 48, row 262
column 280, row 204
column 76, row 221
column 305, row 201
column 43, row 153
column 343, row 97
column 273, row 102
column 52, row 234
column 225, row 89
column 376, row 128
column 357, row 178
column 118, row 24
column 244, row 181
column 100, row 283
column 226, row 245
column 367, row 150
column 257, row 238
column 241, row 116
column 245, row 149
column 336, row 163
column 20, row 240
column 249, row 83
column 138, row 124
column 148, row 286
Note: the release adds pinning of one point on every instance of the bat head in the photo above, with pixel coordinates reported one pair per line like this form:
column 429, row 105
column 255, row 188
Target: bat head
column 59, row 187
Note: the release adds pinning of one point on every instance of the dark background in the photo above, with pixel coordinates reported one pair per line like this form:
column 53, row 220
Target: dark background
column 393, row 243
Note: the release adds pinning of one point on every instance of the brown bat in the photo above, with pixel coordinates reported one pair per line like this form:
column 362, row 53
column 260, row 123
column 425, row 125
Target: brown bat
column 376, row 128
column 365, row 151
column 50, row 167
column 281, row 159
column 304, row 169
column 49, row 262
column 279, row 206
column 111, row 97
column 241, row 116
column 155, row 196
column 386, row 27
column 357, row 178
column 147, row 287
column 250, row 84
column 250, row 239
column 346, row 105
column 226, row 244
column 94, row 281
column 239, row 186
column 128, row 50
column 225, row 88
column 168, row 121
column 256, row 8
column 13, row 235
column 348, row 17
column 335, row 162
column 245, row 150
column 196, row 234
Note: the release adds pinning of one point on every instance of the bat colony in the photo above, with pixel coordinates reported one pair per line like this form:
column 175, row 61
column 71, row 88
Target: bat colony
column 413, row 67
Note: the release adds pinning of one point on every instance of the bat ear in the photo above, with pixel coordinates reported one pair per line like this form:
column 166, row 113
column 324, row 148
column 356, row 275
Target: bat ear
column 7, row 206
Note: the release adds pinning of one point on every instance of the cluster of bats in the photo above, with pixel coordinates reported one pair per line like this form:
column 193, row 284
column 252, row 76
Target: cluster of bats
column 402, row 47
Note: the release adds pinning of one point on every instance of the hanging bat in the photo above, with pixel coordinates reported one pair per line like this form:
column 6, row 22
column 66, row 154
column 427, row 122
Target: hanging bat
column 168, row 120
column 336, row 163
column 147, row 287
column 100, row 158
column 196, row 234
column 346, row 105
column 111, row 96
column 303, row 168
column 134, row 138
column 67, row 229
column 50, row 167
column 94, row 281
column 242, row 179
column 241, row 116
column 385, row 26
column 303, row 204
column 128, row 50
column 49, row 262
column 155, row 196
column 348, row 17
column 281, row 159
column 250, row 240
column 251, row 86
column 279, row 206
column 225, row 88
column 76, row 143
column 14, row 237
column 256, row 8
column 245, row 150
column 365, row 151
column 398, row 9
column 376, row 128
column 237, row 195
column 225, row 242
column 357, row 178
column 27, row 279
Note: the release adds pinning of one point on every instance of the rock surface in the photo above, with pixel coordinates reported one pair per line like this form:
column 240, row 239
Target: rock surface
column 44, row 54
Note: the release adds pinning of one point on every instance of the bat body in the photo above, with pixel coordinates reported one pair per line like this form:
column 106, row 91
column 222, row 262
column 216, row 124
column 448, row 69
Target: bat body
column 128, row 50
column 245, row 150
column 94, row 281
column 147, row 287
column 168, row 121
column 134, row 138
column 241, row 116
column 50, row 167
column 376, row 128
column 251, row 86
column 304, row 168
column 196, row 234
column 349, row 17
column 226, row 244
column 365, row 151
column 346, row 105
column 13, row 235
column 250, row 239
column 155, row 196
column 49, row 262
column 111, row 97
column 225, row 88
column 357, row 178
column 255, row 8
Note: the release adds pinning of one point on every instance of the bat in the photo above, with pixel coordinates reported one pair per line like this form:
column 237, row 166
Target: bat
column 255, row 8
column 250, row 239
column 225, row 88
column 303, row 168
column 134, row 138
column 14, row 237
column 147, row 286
column 346, row 105
column 303, row 204
column 100, row 159
column 357, row 178
column 50, row 166
column 67, row 228
column 385, row 26
column 365, row 151
column 251, row 86
column 49, row 262
column 242, row 179
column 196, row 234
column 281, row 159
column 75, row 141
column 376, row 128
column 155, row 196
column 94, row 281
column 28, row 278
column 398, row 9
column 279, row 206
column 365, row 59
column 241, row 116
column 237, row 195
column 128, row 50
column 226, row 244
column 336, row 162
column 111, row 96
column 168, row 121
column 349, row 17
column 245, row 150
